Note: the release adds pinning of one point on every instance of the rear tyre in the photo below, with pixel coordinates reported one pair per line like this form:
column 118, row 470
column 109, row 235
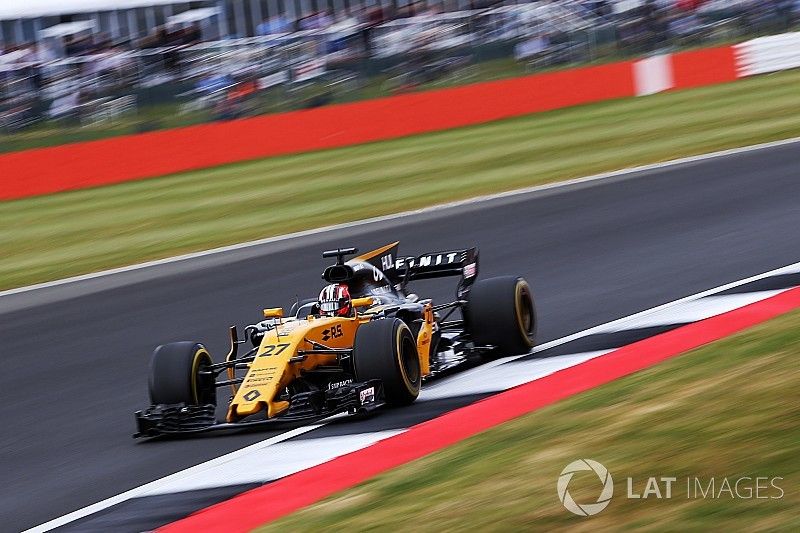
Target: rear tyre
column 386, row 350
column 175, row 375
column 500, row 312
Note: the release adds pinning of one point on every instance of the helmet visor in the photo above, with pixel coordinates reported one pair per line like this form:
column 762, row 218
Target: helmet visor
column 329, row 306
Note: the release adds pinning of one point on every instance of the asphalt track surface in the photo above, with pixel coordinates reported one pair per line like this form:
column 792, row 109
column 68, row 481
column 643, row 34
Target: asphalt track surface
column 75, row 358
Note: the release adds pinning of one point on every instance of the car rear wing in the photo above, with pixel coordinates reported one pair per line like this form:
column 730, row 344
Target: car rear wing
column 401, row 270
column 462, row 263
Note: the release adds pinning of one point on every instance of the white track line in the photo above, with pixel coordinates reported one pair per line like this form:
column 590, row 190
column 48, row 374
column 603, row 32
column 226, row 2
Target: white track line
column 493, row 377
column 482, row 380
column 198, row 469
column 604, row 328
column 406, row 214
column 280, row 460
column 697, row 310
column 153, row 486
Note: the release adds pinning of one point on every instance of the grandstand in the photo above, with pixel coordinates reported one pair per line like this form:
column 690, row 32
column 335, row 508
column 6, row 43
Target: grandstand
column 148, row 64
column 23, row 20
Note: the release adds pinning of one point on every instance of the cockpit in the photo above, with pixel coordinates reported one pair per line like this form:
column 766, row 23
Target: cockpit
column 368, row 280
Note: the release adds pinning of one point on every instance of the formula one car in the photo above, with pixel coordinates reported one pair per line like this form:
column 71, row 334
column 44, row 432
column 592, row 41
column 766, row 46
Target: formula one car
column 366, row 342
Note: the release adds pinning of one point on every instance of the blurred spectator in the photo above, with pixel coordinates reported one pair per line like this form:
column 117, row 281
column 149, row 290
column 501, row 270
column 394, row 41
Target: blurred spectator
column 192, row 35
column 344, row 19
column 325, row 19
column 685, row 25
column 373, row 17
column 688, row 5
column 601, row 8
column 532, row 48
column 274, row 24
column 66, row 106
column 306, row 22
column 214, row 82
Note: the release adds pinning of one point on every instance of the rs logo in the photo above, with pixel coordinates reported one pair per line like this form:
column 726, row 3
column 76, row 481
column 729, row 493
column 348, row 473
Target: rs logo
column 334, row 332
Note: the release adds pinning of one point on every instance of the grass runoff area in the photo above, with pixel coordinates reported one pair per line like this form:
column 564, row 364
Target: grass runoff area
column 727, row 411
column 60, row 235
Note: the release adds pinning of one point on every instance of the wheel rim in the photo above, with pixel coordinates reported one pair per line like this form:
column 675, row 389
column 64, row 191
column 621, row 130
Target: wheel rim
column 408, row 358
column 524, row 305
column 201, row 394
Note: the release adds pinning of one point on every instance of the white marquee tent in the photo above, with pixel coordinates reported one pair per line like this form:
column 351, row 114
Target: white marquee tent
column 194, row 15
column 67, row 28
column 16, row 9
column 24, row 21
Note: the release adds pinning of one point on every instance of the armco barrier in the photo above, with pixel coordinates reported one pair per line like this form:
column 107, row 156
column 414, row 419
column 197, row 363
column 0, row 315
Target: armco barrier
column 707, row 66
column 685, row 70
column 89, row 164
column 768, row 54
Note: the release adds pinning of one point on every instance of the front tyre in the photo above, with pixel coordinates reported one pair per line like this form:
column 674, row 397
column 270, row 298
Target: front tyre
column 177, row 375
column 500, row 312
column 386, row 350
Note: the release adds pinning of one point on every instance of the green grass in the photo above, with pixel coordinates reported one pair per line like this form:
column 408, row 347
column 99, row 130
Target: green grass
column 729, row 409
column 71, row 233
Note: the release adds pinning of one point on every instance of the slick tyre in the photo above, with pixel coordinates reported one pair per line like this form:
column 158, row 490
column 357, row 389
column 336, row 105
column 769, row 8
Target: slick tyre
column 386, row 350
column 176, row 375
column 500, row 312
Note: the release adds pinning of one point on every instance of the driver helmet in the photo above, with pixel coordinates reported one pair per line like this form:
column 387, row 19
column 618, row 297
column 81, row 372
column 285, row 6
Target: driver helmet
column 334, row 300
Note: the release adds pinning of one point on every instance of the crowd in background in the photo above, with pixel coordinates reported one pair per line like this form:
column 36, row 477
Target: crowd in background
column 658, row 17
column 60, row 78
column 651, row 15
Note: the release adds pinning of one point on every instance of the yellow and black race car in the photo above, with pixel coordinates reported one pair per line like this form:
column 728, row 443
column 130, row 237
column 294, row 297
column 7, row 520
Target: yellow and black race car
column 376, row 349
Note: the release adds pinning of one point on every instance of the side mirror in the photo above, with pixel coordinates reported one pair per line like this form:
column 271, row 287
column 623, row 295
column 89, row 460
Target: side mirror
column 362, row 302
column 273, row 312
